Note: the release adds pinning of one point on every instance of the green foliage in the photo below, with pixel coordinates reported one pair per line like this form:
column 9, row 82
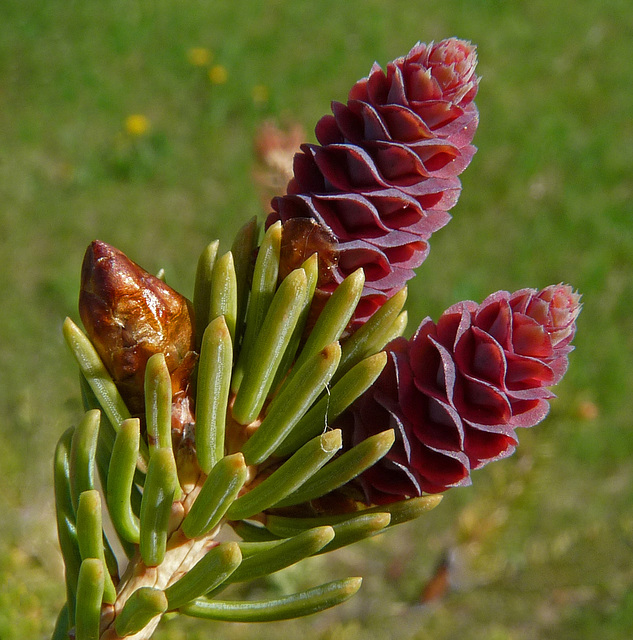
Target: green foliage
column 192, row 486
column 547, row 198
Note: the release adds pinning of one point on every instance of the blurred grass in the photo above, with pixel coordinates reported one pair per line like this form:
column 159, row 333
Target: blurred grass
column 542, row 541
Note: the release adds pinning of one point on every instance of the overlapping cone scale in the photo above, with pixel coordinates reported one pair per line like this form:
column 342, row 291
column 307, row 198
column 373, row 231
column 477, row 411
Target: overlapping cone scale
column 383, row 175
column 456, row 392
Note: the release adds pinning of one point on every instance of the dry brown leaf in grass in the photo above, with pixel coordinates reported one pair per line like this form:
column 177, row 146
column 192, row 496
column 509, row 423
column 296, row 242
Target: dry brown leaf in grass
column 275, row 147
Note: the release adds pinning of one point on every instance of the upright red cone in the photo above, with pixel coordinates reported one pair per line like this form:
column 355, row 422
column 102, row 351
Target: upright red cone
column 384, row 174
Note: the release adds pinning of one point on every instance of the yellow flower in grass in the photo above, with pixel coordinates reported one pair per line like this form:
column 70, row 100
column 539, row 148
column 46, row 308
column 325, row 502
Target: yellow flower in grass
column 218, row 74
column 199, row 56
column 137, row 125
column 260, row 94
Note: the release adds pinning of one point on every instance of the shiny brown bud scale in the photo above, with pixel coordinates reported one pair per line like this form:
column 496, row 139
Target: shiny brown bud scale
column 129, row 315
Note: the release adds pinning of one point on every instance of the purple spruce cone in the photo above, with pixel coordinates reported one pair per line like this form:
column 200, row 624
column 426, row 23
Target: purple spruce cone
column 384, row 174
column 457, row 390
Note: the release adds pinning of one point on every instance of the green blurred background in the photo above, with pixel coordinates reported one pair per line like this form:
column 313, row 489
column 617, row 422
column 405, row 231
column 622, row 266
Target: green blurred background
column 541, row 545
